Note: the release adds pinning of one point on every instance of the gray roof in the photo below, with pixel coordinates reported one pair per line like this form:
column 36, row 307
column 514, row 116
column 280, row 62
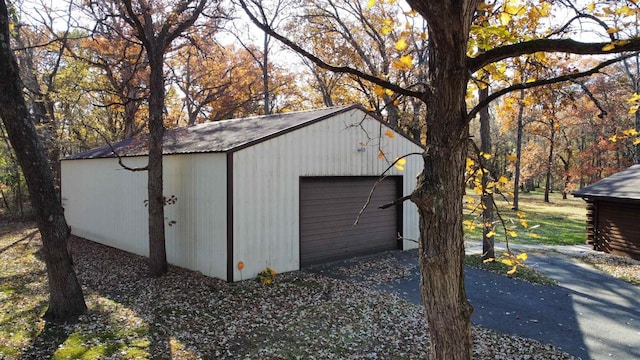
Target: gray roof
column 219, row 136
column 624, row 185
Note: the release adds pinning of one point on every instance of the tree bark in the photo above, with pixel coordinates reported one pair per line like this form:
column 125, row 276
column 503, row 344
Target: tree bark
column 157, row 251
column 547, row 183
column 440, row 188
column 488, row 251
column 520, row 130
column 65, row 299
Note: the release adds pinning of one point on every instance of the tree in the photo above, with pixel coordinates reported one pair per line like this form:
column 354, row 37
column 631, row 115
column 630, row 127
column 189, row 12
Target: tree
column 156, row 25
column 438, row 194
column 65, row 294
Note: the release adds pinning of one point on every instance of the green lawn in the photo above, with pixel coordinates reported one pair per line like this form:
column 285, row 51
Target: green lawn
column 560, row 222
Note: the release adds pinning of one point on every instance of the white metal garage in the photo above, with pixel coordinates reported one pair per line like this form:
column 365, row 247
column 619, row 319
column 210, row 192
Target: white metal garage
column 242, row 189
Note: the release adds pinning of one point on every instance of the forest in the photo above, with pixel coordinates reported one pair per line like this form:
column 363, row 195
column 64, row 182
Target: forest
column 86, row 80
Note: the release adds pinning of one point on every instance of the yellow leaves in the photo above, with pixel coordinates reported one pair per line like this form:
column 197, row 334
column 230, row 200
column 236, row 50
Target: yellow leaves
column 616, row 43
column 485, row 155
column 613, row 138
column 524, row 223
column 491, row 234
column 400, row 164
column 390, row 134
column 371, row 3
column 469, row 225
column 512, row 158
column 634, row 98
column 507, row 262
column 613, row 30
column 521, row 215
column 535, row 236
column 489, row 260
column 404, row 63
column 503, row 180
column 387, row 26
column 470, row 163
column 522, row 257
column 401, row 44
column 591, row 7
column 513, row 270
column 505, row 19
column 630, row 132
column 608, row 47
column 512, row 233
column 380, row 155
column 633, row 109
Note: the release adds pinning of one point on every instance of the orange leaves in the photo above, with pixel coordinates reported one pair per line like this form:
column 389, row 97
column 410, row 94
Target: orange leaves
column 390, row 134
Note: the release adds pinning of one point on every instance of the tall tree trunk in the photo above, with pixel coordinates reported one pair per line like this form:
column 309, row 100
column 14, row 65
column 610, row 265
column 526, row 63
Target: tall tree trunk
column 488, row 251
column 440, row 188
column 157, row 250
column 520, row 130
column 547, row 183
column 265, row 75
column 65, row 299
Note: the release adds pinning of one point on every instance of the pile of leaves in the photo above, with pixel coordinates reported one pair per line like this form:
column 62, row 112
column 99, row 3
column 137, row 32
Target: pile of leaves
column 185, row 315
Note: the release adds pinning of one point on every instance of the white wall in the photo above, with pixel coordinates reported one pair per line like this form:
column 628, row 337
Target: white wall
column 105, row 203
column 266, row 184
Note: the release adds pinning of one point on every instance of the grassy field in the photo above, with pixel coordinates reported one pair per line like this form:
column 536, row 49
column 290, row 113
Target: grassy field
column 559, row 222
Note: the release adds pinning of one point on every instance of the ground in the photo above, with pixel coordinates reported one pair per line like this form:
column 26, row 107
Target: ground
column 185, row 315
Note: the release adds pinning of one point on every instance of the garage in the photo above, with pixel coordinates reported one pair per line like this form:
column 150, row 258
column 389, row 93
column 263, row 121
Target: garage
column 279, row 191
column 328, row 209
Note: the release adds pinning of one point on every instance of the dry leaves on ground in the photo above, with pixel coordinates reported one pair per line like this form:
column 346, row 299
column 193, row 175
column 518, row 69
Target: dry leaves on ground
column 185, row 315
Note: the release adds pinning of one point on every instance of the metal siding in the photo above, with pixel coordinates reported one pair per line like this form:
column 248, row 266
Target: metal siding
column 266, row 184
column 105, row 203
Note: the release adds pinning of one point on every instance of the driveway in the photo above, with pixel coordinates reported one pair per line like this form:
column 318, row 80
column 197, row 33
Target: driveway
column 589, row 314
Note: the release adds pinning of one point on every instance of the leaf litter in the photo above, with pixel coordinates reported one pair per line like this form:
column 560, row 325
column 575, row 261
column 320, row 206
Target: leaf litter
column 186, row 315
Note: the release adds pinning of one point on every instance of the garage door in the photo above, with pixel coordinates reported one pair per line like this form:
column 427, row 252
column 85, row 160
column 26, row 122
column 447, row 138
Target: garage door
column 328, row 209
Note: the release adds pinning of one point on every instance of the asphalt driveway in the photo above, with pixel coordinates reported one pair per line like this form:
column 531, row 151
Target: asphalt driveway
column 589, row 314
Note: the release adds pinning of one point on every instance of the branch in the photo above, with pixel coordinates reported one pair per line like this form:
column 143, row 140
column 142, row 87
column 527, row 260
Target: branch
column 395, row 202
column 548, row 45
column 529, row 85
column 592, row 97
column 319, row 62
column 380, row 179
column 113, row 150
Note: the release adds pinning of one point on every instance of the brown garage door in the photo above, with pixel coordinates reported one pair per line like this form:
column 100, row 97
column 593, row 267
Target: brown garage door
column 328, row 208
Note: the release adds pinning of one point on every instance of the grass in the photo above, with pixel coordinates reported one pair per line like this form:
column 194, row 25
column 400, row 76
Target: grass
column 522, row 272
column 559, row 222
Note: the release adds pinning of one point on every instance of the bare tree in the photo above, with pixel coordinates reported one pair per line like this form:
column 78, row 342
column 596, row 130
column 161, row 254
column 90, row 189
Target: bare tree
column 65, row 294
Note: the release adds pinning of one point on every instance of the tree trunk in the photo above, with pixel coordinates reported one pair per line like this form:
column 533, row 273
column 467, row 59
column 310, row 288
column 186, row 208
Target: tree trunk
column 265, row 76
column 516, row 180
column 66, row 299
column 440, row 188
column 157, row 250
column 547, row 183
column 488, row 251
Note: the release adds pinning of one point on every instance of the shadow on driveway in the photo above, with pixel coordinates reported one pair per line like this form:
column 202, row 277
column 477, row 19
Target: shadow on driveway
column 589, row 315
